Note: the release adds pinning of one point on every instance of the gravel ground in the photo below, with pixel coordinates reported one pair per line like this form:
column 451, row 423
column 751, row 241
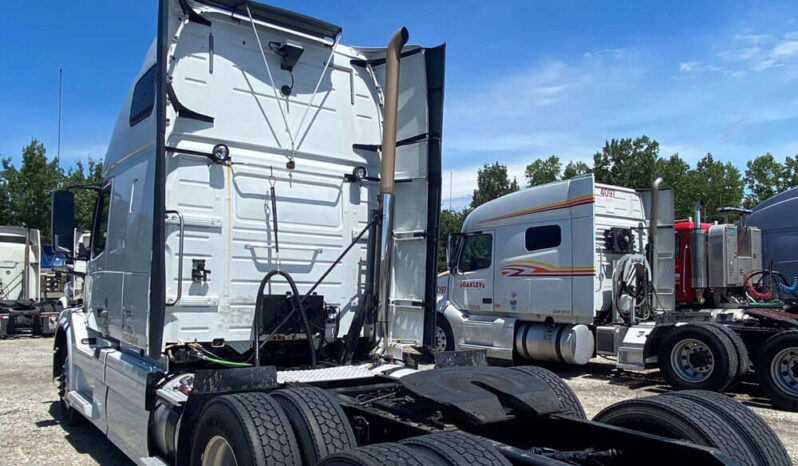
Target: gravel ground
column 32, row 432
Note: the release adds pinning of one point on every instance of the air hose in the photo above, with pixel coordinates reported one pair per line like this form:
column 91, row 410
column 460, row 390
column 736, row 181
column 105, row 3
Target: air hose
column 789, row 289
column 296, row 306
column 753, row 292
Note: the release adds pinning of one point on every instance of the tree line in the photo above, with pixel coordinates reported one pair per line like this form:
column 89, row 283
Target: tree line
column 636, row 163
column 25, row 191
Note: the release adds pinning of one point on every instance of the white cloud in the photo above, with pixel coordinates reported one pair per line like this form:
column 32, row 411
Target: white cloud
column 570, row 106
column 788, row 48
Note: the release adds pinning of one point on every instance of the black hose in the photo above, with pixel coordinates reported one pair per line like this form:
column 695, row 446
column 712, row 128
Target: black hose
column 296, row 306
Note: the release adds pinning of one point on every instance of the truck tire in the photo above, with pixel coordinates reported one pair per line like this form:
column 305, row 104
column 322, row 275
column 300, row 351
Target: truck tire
column 569, row 402
column 757, row 434
column 777, row 369
column 456, row 448
column 381, row 454
column 444, row 337
column 320, row 425
column 69, row 415
column 251, row 427
column 744, row 362
column 679, row 418
column 698, row 357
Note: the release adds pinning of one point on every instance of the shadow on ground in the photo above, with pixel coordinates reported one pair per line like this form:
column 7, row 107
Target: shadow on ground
column 86, row 439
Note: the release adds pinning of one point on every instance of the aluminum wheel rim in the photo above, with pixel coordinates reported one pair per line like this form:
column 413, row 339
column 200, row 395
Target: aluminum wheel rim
column 784, row 370
column 440, row 339
column 218, row 452
column 692, row 360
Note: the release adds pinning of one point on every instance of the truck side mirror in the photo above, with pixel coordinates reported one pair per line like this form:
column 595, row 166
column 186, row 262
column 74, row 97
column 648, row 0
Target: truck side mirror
column 62, row 222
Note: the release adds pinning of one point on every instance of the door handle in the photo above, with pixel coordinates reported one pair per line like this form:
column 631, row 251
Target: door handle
column 487, row 300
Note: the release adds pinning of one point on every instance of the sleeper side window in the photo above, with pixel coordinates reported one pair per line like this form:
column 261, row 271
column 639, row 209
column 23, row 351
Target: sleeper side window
column 101, row 214
column 143, row 97
column 543, row 237
column 477, row 252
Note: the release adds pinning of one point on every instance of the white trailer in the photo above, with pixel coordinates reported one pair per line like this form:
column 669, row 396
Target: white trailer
column 567, row 270
column 253, row 145
column 21, row 303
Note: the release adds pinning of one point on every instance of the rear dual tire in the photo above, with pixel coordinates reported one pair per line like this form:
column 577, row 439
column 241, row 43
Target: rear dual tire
column 704, row 418
column 701, row 357
column 293, row 426
column 443, row 449
column 777, row 369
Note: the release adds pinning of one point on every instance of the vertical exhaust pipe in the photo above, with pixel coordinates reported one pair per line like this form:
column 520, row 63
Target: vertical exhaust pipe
column 652, row 233
column 698, row 254
column 387, row 175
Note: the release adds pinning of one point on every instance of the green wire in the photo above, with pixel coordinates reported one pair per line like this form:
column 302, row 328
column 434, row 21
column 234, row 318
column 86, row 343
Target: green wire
column 227, row 363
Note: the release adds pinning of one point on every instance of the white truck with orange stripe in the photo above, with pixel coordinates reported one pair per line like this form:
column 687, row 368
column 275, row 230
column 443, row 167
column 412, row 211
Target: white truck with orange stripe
column 531, row 274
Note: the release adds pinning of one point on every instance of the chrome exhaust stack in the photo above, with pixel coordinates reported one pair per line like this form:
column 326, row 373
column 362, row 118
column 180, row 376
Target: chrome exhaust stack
column 698, row 254
column 652, row 233
column 387, row 175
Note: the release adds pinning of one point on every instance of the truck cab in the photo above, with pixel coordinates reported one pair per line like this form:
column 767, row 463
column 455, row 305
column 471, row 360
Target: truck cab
column 535, row 267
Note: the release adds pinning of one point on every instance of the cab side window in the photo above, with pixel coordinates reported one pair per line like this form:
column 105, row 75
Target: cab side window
column 101, row 214
column 143, row 97
column 477, row 252
column 543, row 237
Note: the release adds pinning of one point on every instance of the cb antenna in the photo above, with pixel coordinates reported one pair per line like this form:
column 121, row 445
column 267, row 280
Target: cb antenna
column 58, row 156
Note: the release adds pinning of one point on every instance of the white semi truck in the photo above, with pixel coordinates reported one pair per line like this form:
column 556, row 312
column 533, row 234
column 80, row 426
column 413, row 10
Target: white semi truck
column 260, row 287
column 567, row 270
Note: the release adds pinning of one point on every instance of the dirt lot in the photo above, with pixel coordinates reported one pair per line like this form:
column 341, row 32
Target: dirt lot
column 31, row 431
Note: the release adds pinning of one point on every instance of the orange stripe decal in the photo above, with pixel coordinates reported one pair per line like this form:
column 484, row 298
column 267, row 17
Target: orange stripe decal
column 542, row 269
column 577, row 201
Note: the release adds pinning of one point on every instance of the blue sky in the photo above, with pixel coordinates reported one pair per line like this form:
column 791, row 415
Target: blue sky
column 524, row 79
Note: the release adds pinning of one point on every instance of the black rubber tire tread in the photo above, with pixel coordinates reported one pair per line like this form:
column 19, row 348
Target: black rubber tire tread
column 569, row 402
column 765, row 355
column 458, row 448
column 726, row 362
column 693, row 421
column 743, row 360
column 757, row 433
column 320, row 425
column 267, row 434
column 443, row 323
column 381, row 454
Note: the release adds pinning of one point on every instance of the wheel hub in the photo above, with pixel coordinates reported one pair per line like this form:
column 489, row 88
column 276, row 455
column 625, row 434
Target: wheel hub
column 440, row 339
column 784, row 370
column 692, row 360
column 218, row 452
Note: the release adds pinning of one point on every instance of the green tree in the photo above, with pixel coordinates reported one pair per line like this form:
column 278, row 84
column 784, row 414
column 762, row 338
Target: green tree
column 674, row 172
column 627, row 162
column 451, row 222
column 543, row 171
column 763, row 178
column 573, row 169
column 790, row 173
column 29, row 188
column 8, row 181
column 492, row 182
column 716, row 183
column 82, row 175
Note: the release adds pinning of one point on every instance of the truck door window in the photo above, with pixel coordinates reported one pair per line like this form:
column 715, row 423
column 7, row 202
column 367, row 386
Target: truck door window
column 543, row 237
column 100, row 234
column 476, row 254
column 143, row 97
